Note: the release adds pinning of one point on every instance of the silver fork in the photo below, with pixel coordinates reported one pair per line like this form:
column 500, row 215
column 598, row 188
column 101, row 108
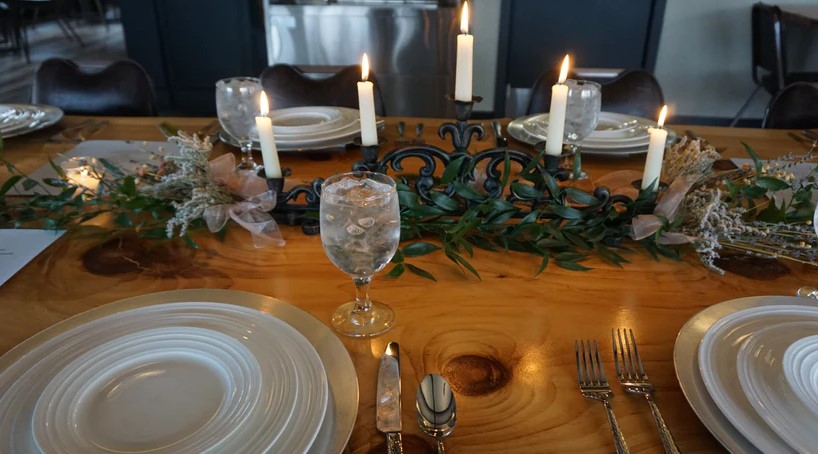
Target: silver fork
column 594, row 385
column 632, row 377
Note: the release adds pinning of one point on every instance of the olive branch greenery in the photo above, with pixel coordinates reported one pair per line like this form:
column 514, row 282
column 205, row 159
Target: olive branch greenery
column 563, row 225
column 528, row 211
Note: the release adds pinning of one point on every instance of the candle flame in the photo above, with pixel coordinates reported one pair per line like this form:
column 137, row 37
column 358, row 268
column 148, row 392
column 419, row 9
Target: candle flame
column 389, row 349
column 564, row 70
column 365, row 68
column 662, row 116
column 464, row 19
column 264, row 105
column 84, row 172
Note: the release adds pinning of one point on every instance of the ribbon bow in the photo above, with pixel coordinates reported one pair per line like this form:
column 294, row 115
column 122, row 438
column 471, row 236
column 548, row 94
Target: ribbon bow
column 252, row 213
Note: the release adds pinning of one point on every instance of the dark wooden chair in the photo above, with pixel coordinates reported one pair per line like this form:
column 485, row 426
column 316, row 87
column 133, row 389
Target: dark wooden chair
column 122, row 88
column 288, row 86
column 633, row 92
column 769, row 64
column 794, row 107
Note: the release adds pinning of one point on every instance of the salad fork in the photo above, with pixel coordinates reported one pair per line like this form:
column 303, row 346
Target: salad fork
column 594, row 385
column 632, row 377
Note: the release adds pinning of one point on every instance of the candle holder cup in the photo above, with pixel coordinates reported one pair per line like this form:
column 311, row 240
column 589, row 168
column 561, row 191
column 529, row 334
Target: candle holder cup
column 652, row 196
column 553, row 164
column 370, row 154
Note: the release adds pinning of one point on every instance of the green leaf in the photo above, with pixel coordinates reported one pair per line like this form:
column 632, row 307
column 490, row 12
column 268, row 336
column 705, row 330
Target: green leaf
column 111, row 168
column 444, row 201
column 452, row 171
column 573, row 266
column 128, row 186
column 168, row 129
column 420, row 272
column 465, row 191
column 189, row 241
column 55, row 182
column 610, row 256
column 581, row 197
column 398, row 257
column 396, row 271
column 419, row 248
column 9, row 184
column 571, row 257
column 28, row 183
column 566, row 212
column 525, row 191
column 771, row 183
column 771, row 214
column 463, row 263
column 552, row 185
column 545, row 258
column 576, row 239
column 756, row 160
column 506, row 170
column 531, row 217
column 123, row 220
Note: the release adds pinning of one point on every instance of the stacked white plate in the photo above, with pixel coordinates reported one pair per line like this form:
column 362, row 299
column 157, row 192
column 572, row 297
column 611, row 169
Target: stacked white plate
column 749, row 368
column 19, row 119
column 313, row 127
column 193, row 376
column 615, row 134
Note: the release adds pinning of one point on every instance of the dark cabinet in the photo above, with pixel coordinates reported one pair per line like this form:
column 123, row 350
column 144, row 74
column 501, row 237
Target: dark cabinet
column 187, row 45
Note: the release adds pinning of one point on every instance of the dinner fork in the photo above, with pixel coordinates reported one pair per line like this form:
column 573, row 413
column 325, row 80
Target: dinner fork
column 632, row 377
column 594, row 385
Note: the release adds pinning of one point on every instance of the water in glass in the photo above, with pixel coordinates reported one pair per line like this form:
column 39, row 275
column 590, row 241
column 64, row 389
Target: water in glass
column 360, row 225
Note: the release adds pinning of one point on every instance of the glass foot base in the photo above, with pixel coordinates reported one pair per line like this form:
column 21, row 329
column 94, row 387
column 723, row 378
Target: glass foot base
column 378, row 320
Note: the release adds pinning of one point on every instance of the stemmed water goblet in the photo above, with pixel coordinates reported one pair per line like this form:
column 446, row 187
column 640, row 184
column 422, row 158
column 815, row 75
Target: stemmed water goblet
column 581, row 113
column 360, row 232
column 237, row 105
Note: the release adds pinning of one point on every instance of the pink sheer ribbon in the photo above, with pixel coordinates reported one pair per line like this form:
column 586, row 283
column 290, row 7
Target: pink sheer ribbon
column 252, row 213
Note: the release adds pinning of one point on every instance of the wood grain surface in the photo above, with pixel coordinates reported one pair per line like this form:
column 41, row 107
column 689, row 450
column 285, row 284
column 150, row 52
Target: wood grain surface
column 506, row 343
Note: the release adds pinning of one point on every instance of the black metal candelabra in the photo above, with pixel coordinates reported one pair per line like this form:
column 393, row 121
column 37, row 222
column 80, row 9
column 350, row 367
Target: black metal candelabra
column 481, row 170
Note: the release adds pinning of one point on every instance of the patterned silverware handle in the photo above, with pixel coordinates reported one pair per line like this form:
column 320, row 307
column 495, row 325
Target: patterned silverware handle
column 664, row 432
column 401, row 129
column 394, row 444
column 619, row 439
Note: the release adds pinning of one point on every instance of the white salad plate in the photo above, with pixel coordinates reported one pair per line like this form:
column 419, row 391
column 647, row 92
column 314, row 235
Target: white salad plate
column 718, row 355
column 615, row 134
column 19, row 119
column 762, row 378
column 800, row 366
column 181, row 371
column 689, row 374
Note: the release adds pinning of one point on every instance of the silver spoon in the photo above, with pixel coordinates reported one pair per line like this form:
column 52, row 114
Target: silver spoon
column 436, row 410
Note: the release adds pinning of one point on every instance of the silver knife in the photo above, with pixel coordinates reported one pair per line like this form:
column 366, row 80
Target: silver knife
column 387, row 404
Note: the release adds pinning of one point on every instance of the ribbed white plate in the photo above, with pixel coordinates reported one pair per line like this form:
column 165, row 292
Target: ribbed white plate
column 311, row 120
column 800, row 366
column 19, row 119
column 762, row 379
column 718, row 355
column 303, row 422
column 685, row 360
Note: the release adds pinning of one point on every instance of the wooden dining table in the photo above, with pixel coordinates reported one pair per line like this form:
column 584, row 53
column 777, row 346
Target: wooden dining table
column 505, row 342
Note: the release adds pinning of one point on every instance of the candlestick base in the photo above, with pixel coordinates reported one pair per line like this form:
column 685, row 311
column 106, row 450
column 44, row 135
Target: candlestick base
column 553, row 164
column 461, row 131
column 289, row 212
column 650, row 197
column 370, row 155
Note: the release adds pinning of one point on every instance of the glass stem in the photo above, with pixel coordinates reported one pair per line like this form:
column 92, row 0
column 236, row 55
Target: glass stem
column 362, row 302
column 247, row 152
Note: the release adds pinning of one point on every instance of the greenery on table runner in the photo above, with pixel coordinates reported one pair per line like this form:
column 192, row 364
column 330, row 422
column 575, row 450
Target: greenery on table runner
column 740, row 210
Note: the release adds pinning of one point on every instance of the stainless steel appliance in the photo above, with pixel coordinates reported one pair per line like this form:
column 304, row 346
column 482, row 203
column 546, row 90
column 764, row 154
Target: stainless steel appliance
column 410, row 46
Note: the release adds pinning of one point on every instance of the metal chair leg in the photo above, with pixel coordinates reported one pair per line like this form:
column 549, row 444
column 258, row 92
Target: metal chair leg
column 744, row 107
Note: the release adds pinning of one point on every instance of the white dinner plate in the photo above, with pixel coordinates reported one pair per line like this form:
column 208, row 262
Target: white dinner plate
column 331, row 141
column 718, row 355
column 685, row 360
column 91, row 405
column 335, row 423
column 800, row 366
column 762, row 378
column 22, row 119
column 615, row 134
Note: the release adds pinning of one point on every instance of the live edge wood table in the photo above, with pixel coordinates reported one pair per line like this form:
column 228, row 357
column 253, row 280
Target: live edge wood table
column 505, row 343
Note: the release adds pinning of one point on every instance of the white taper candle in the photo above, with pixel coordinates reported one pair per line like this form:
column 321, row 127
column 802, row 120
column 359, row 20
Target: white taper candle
column 465, row 58
column 556, row 114
column 269, row 154
column 366, row 106
column 656, row 153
